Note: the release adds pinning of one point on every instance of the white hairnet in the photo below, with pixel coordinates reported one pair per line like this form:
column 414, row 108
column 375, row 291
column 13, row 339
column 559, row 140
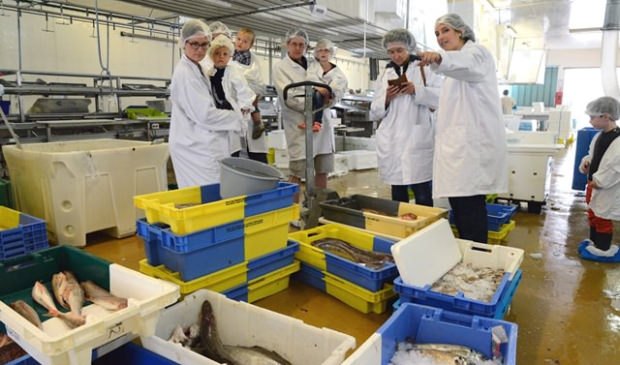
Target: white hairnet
column 455, row 22
column 220, row 28
column 194, row 28
column 221, row 41
column 604, row 105
column 324, row 44
column 400, row 35
column 297, row 33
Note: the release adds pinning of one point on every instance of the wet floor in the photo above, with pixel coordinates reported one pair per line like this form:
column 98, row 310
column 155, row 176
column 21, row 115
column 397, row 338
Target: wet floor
column 564, row 306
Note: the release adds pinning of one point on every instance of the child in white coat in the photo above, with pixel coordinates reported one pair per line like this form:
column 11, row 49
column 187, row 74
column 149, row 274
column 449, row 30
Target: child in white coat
column 602, row 164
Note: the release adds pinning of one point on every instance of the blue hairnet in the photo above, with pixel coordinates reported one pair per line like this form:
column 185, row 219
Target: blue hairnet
column 604, row 105
column 194, row 28
column 455, row 22
column 297, row 33
column 324, row 44
column 400, row 35
column 220, row 28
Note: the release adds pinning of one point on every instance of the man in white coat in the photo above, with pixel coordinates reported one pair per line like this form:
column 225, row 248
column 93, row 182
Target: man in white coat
column 405, row 137
column 291, row 69
column 470, row 143
column 198, row 130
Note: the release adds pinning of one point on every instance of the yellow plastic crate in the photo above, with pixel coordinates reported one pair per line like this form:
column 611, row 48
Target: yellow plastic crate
column 402, row 228
column 267, row 232
column 9, row 218
column 357, row 297
column 161, row 208
column 271, row 283
column 494, row 237
column 315, row 256
column 218, row 281
column 271, row 156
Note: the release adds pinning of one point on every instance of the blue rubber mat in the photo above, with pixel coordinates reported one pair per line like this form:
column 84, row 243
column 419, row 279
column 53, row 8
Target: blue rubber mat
column 588, row 256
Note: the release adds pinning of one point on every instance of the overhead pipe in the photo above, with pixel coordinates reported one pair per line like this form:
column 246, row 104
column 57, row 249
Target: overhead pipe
column 263, row 10
column 609, row 49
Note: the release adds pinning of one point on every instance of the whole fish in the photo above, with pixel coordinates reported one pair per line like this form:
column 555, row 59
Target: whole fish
column 255, row 355
column 372, row 260
column 102, row 297
column 449, row 354
column 42, row 296
column 26, row 311
column 68, row 291
column 59, row 284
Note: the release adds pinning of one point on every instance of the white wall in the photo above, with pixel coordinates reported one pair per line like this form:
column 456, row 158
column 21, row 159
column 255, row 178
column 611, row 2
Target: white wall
column 575, row 58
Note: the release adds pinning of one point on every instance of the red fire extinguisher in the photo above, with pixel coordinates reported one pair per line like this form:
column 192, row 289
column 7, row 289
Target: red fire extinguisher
column 558, row 97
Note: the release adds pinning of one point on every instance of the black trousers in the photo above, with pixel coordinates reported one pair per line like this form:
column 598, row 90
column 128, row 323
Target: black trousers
column 470, row 216
column 423, row 193
column 256, row 156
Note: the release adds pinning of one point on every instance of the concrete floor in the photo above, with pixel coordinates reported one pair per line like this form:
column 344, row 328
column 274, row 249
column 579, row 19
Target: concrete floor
column 561, row 306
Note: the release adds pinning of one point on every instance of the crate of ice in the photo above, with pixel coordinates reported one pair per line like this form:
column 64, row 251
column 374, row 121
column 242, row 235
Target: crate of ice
column 467, row 336
column 239, row 324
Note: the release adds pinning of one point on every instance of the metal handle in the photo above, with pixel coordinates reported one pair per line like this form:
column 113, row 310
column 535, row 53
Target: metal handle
column 305, row 84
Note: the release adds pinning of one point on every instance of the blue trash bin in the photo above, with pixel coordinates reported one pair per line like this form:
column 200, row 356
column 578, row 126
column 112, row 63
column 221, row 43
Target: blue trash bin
column 6, row 106
column 584, row 137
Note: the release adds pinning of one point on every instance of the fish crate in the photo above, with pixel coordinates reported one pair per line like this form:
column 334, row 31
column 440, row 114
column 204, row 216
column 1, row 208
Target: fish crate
column 228, row 278
column 20, row 234
column 205, row 208
column 497, row 215
column 357, row 273
column 5, row 193
column 203, row 252
column 425, row 257
column 56, row 343
column 353, row 295
column 348, row 210
column 494, row 238
column 424, row 324
column 264, row 286
column 243, row 324
column 79, row 187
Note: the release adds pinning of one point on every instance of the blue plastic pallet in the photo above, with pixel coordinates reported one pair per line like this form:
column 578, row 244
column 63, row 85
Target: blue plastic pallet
column 218, row 248
column 29, row 236
column 425, row 324
column 495, row 308
column 497, row 215
column 311, row 276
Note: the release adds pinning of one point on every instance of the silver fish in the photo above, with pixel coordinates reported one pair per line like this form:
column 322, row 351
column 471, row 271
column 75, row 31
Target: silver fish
column 449, row 354
column 102, row 297
column 371, row 259
column 26, row 311
column 42, row 296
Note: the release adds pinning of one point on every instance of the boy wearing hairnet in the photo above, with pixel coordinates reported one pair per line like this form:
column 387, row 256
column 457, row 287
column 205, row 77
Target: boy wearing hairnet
column 325, row 72
column 229, row 88
column 602, row 165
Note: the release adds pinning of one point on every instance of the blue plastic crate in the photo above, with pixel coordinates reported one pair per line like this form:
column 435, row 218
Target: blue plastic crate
column 265, row 264
column 424, row 324
column 30, row 235
column 239, row 293
column 311, row 276
column 257, row 203
column 495, row 308
column 132, row 354
column 497, row 215
column 361, row 275
column 220, row 247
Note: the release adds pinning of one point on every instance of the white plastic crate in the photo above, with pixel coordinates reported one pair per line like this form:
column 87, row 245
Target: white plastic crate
column 361, row 159
column 244, row 324
column 341, row 165
column 281, row 158
column 277, row 140
column 59, row 345
column 80, row 187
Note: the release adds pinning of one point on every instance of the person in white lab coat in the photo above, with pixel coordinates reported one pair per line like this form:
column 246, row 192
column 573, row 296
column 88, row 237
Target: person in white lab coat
column 507, row 103
column 602, row 165
column 405, row 137
column 229, row 88
column 291, row 69
column 198, row 130
column 470, row 143
column 247, row 62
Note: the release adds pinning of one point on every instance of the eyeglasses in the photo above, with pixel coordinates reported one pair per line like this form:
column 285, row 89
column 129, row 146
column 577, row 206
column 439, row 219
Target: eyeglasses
column 195, row 45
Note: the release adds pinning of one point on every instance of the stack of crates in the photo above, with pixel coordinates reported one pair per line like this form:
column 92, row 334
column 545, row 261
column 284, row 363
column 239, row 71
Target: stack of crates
column 20, row 234
column 365, row 289
column 499, row 220
column 237, row 246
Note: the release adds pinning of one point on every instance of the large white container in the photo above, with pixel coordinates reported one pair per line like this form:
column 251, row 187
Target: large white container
column 57, row 344
column 85, row 186
column 243, row 324
column 361, row 159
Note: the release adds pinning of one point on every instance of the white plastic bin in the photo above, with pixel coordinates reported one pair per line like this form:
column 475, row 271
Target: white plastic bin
column 243, row 324
column 361, row 159
column 85, row 186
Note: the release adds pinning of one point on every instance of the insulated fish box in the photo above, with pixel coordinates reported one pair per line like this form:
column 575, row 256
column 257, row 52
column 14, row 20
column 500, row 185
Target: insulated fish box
column 80, row 187
column 380, row 215
column 56, row 343
column 243, row 324
column 431, row 325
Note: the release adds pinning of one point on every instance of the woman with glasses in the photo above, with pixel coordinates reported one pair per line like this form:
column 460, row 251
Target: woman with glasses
column 198, row 129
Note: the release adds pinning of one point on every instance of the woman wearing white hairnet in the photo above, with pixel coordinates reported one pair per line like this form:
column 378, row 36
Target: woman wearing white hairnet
column 198, row 130
column 470, row 145
column 405, row 135
column 291, row 69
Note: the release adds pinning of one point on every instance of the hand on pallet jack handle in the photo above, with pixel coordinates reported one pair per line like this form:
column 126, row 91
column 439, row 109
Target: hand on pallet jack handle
column 306, row 84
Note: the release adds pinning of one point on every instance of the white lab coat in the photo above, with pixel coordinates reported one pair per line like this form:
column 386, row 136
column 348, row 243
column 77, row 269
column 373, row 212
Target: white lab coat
column 336, row 79
column 405, row 137
column 254, row 79
column 240, row 96
column 470, row 142
column 198, row 130
column 605, row 200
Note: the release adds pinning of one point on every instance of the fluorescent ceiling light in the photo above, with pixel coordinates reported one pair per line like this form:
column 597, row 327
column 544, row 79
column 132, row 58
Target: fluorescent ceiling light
column 586, row 14
column 268, row 16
